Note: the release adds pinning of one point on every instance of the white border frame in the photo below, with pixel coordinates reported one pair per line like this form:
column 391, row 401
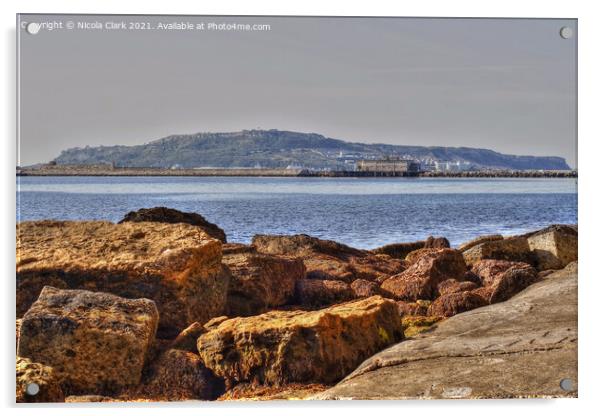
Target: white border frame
column 589, row 153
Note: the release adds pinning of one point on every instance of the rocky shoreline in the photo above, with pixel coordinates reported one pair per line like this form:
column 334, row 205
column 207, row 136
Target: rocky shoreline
column 161, row 307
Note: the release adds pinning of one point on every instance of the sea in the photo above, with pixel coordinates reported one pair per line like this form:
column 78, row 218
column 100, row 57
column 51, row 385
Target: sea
column 360, row 212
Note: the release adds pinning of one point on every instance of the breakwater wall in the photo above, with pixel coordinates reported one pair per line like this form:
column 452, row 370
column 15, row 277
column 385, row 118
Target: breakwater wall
column 96, row 170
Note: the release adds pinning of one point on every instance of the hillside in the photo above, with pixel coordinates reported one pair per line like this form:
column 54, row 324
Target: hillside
column 278, row 149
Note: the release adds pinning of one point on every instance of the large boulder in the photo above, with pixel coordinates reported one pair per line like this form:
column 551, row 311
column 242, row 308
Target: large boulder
column 281, row 347
column 421, row 279
column 180, row 375
column 315, row 292
column 176, row 265
column 519, row 348
column 554, row 247
column 260, row 282
column 503, row 279
column 31, row 374
column 173, row 216
column 511, row 248
column 95, row 342
column 329, row 260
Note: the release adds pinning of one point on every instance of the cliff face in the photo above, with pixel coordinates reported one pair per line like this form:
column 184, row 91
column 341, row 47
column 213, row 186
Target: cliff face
column 278, row 149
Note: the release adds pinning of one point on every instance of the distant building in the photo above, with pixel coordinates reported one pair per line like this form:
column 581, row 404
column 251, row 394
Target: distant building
column 453, row 166
column 388, row 166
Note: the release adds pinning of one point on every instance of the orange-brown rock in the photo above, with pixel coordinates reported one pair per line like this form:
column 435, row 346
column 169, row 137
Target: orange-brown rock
column 399, row 250
column 316, row 292
column 479, row 240
column 511, row 249
column 503, row 279
column 180, row 375
column 421, row 279
column 418, row 308
column 256, row 392
column 95, row 342
column 452, row 303
column 173, row 216
column 186, row 340
column 237, row 248
column 364, row 288
column 35, row 374
column 281, row 347
column 89, row 398
column 260, row 282
column 17, row 329
column 329, row 260
column 176, row 265
column 415, row 255
column 436, row 242
column 513, row 349
column 454, row 286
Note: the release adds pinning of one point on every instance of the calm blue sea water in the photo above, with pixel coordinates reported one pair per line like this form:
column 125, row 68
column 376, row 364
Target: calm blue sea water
column 361, row 212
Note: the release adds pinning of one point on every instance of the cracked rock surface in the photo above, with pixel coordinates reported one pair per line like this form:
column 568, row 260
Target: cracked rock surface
column 519, row 348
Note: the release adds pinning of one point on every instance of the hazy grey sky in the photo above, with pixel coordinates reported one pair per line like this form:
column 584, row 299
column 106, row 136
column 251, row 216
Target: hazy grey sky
column 507, row 85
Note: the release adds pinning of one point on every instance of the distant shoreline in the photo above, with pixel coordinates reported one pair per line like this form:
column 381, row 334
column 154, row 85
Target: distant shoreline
column 58, row 170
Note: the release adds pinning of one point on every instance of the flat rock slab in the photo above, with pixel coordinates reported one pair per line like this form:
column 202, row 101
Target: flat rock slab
column 176, row 265
column 519, row 348
column 96, row 343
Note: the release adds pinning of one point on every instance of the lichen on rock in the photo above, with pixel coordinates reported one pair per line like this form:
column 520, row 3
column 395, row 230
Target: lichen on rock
column 96, row 343
column 176, row 265
column 42, row 376
column 282, row 347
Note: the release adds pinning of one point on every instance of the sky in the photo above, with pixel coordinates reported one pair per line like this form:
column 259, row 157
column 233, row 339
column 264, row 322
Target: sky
column 503, row 84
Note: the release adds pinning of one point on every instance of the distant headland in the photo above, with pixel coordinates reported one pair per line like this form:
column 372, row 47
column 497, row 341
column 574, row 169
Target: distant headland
column 274, row 151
